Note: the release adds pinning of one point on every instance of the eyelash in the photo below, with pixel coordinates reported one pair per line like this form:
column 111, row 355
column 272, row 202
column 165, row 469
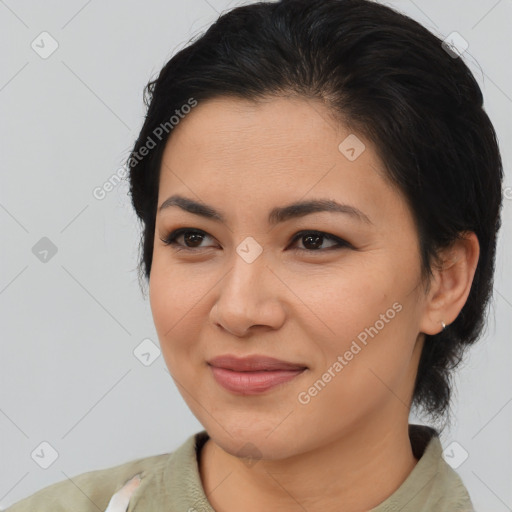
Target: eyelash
column 170, row 239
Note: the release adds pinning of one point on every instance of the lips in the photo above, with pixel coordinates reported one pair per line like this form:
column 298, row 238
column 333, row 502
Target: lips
column 253, row 363
column 253, row 375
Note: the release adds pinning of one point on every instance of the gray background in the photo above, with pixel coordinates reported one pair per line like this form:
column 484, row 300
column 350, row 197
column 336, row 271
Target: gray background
column 70, row 324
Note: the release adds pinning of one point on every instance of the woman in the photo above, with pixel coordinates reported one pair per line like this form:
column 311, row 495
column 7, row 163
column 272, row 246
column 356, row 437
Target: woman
column 320, row 193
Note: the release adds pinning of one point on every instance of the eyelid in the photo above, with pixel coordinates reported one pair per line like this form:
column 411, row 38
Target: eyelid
column 170, row 239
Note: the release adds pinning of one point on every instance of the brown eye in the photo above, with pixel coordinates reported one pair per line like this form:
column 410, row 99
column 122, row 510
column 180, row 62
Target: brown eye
column 312, row 240
column 192, row 238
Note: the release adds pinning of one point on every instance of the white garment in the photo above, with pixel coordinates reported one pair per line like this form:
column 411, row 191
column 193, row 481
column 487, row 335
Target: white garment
column 121, row 499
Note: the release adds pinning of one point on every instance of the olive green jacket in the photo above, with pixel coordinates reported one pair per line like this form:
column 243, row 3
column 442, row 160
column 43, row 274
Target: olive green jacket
column 171, row 482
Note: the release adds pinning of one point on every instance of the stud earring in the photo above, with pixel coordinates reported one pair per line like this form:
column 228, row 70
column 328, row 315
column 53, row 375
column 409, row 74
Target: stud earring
column 444, row 325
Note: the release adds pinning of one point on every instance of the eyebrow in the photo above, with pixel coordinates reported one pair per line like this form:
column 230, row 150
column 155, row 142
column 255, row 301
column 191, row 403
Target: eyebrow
column 276, row 215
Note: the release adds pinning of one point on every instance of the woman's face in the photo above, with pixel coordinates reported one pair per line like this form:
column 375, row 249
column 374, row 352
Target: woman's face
column 349, row 309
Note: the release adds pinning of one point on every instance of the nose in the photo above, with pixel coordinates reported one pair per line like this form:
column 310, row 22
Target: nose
column 249, row 298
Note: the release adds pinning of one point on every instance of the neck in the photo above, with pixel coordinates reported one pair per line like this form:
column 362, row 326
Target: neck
column 359, row 470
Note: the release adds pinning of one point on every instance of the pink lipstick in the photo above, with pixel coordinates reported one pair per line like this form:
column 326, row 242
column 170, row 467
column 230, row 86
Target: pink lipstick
column 254, row 374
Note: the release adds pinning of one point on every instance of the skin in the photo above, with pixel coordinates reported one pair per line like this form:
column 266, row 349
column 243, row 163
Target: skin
column 350, row 443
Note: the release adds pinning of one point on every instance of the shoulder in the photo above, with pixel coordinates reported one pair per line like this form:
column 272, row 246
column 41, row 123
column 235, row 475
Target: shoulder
column 447, row 491
column 432, row 485
column 450, row 489
column 90, row 491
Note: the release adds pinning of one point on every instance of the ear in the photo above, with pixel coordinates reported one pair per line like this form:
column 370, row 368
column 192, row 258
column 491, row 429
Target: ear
column 451, row 284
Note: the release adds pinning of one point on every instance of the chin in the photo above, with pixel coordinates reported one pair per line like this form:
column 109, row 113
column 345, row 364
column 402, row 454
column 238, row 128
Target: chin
column 253, row 442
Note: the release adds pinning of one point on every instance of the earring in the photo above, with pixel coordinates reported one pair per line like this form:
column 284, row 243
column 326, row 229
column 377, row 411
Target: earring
column 444, row 325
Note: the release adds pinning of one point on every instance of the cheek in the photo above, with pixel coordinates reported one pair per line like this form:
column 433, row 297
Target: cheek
column 175, row 290
column 362, row 318
column 339, row 303
column 177, row 303
column 364, row 368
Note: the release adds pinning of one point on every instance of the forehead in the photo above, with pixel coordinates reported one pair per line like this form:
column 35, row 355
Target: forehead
column 269, row 152
column 286, row 126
